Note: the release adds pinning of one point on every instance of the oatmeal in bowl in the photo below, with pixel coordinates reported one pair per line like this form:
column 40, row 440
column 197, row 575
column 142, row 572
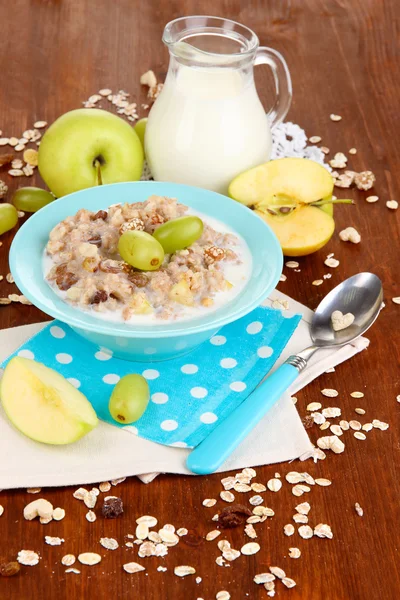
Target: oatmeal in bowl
column 150, row 278
column 84, row 262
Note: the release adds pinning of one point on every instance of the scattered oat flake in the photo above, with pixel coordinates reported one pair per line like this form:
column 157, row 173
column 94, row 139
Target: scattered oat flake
column 68, row 560
column 105, row 486
column 250, row 531
column 282, row 277
column 258, row 487
column 223, row 595
column 359, row 411
column 334, row 117
column 288, row 582
column 318, row 282
column 278, row 572
column 288, row 529
column 315, row 139
column 72, row 570
column 109, row 543
column 209, row 502
column 182, row 531
column 34, row 490
column 353, row 151
column 264, row 577
column 212, row 535
column 396, row 300
column 15, row 172
column 323, row 531
column 372, row 199
column 392, row 204
column 359, row 435
column 29, row 558
column 241, row 487
column 117, row 481
column 274, row 485
column 250, row 548
column 367, row 427
column 331, row 442
column 380, row 425
column 89, row 558
column 184, row 570
column 356, row 425
column 305, row 532
column 91, row 516
column 133, row 567
column 80, row 493
column 1, row 510
column 336, row 430
column 292, row 264
column 357, row 395
column 330, row 393
column 314, row 406
column 53, row 541
column 303, row 508
column 358, row 509
column 350, row 234
column 299, row 518
column 323, row 482
column 227, row 496
column 332, row 262
column 325, row 425
column 149, row 520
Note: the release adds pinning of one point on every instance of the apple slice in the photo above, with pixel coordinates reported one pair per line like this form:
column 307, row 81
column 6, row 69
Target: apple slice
column 43, row 405
column 301, row 232
column 282, row 181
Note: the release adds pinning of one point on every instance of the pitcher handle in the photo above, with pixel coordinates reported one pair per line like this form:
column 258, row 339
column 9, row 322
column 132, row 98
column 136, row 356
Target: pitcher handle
column 283, row 83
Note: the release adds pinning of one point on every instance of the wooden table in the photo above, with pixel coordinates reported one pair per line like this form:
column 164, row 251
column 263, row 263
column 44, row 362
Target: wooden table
column 343, row 57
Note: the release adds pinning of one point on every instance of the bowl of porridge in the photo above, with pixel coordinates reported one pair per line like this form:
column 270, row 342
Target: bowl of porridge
column 146, row 270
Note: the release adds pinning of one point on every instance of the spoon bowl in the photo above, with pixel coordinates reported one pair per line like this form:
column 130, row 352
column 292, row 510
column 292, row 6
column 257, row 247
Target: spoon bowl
column 360, row 295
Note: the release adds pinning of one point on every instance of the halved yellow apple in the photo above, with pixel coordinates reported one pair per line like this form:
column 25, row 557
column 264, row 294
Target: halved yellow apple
column 43, row 405
column 282, row 192
column 301, row 232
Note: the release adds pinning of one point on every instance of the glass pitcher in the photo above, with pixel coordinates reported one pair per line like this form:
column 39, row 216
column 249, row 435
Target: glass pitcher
column 208, row 124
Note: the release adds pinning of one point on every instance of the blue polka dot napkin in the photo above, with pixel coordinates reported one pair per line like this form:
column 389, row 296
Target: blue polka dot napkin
column 189, row 394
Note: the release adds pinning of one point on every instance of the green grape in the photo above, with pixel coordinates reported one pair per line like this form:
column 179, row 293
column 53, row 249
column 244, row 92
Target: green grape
column 129, row 399
column 179, row 233
column 8, row 217
column 140, row 250
column 31, row 199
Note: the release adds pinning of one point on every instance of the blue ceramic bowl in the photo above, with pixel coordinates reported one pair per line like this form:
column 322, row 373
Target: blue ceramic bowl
column 145, row 342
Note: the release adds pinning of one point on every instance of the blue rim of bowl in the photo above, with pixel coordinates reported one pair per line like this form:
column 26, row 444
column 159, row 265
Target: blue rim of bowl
column 149, row 331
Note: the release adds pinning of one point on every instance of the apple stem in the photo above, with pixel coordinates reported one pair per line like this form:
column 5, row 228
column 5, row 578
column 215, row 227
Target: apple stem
column 98, row 167
column 337, row 201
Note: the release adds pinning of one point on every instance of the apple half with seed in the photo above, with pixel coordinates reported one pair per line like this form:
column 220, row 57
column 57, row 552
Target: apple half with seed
column 294, row 196
column 43, row 405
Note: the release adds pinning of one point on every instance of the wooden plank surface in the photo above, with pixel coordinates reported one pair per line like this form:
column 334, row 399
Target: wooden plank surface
column 344, row 59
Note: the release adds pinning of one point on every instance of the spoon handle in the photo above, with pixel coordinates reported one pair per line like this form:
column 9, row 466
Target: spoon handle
column 221, row 442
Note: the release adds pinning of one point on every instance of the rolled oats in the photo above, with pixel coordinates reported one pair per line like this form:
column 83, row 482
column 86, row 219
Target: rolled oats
column 250, row 531
column 264, row 578
column 358, row 509
column 332, row 262
column 109, row 543
column 29, row 558
column 336, row 430
column 392, row 204
column 68, row 560
column 299, row 518
column 288, row 529
column 359, row 411
column 72, row 570
column 89, row 558
column 356, row 425
column 380, row 425
column 294, row 552
column 334, row 117
column 315, row 139
column 230, row 554
column 182, row 531
column 212, row 535
column 331, row 442
column 223, row 595
column 250, row 548
column 133, row 567
column 330, row 393
column 367, row 427
column 350, row 235
column 323, row 531
column 359, row 435
column 288, row 582
column 303, row 508
column 318, row 282
column 242, row 487
column 227, row 496
column 305, row 532
column 105, row 486
column 292, row 264
column 313, row 406
column 91, row 516
column 38, row 508
column 142, row 531
column 1, row 510
column 53, row 541
column 372, row 199
column 184, row 570
column 256, row 500
column 357, row 395
column 258, row 487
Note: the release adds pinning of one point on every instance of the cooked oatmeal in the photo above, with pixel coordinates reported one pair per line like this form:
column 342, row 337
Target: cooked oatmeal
column 82, row 264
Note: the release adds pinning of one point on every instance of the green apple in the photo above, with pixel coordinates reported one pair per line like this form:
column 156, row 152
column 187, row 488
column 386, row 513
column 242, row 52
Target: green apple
column 140, row 129
column 88, row 146
column 43, row 405
column 294, row 196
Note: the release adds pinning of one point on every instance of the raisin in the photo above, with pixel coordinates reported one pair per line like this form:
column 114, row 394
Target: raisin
column 95, row 240
column 192, row 538
column 9, row 569
column 233, row 516
column 101, row 214
column 111, row 266
column 65, row 279
column 112, row 508
column 100, row 296
column 138, row 279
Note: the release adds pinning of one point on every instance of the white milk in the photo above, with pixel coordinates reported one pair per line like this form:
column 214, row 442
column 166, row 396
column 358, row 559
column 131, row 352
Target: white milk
column 207, row 126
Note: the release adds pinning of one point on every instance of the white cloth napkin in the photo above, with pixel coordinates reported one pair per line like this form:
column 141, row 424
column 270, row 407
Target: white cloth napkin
column 109, row 452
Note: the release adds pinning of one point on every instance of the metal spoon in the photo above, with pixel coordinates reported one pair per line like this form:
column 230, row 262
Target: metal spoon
column 360, row 295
